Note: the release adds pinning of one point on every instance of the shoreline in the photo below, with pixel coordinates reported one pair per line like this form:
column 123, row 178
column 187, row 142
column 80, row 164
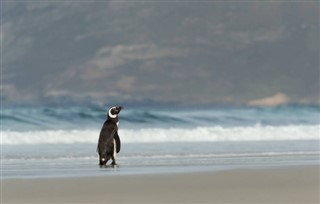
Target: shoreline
column 286, row 184
column 58, row 161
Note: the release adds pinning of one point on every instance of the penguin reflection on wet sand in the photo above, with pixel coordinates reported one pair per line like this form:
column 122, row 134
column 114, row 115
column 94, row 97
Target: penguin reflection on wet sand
column 109, row 142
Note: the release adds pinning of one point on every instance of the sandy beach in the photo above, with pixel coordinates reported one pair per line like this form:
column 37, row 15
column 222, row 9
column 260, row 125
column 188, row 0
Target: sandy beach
column 270, row 185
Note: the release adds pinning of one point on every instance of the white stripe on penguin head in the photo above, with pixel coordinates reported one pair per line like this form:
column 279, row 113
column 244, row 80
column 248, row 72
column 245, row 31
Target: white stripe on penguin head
column 110, row 114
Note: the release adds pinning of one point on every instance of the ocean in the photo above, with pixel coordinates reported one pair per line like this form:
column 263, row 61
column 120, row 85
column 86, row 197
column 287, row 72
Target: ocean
column 61, row 141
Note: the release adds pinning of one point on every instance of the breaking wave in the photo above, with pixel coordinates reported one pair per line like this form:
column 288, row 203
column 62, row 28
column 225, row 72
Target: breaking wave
column 158, row 135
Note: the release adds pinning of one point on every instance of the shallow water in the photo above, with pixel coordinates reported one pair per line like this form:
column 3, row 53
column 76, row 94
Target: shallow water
column 142, row 158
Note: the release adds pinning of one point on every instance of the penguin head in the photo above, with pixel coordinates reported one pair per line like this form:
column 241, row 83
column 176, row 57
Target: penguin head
column 114, row 111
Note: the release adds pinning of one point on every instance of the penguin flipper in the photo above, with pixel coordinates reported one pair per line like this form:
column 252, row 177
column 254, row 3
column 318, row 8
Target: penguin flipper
column 118, row 142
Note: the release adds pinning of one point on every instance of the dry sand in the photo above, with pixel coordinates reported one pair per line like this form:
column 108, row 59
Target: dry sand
column 282, row 185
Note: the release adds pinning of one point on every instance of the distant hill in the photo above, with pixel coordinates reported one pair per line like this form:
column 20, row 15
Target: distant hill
column 179, row 52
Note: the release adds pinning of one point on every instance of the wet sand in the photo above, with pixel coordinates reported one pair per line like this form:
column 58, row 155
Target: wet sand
column 273, row 185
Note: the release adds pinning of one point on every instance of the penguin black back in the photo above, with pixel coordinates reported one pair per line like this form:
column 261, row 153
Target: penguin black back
column 109, row 141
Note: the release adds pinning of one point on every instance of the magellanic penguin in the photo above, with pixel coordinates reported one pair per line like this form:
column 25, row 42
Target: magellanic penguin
column 109, row 141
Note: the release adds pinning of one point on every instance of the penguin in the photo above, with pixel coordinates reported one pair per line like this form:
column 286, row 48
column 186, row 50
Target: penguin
column 109, row 141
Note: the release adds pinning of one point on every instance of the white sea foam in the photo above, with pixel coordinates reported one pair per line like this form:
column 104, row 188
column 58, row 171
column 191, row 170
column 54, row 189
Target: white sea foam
column 198, row 134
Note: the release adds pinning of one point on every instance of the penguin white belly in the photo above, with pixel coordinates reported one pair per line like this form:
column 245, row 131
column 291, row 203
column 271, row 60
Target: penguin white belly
column 114, row 149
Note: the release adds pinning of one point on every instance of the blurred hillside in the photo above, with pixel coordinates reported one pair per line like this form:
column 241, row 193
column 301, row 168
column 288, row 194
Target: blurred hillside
column 180, row 52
